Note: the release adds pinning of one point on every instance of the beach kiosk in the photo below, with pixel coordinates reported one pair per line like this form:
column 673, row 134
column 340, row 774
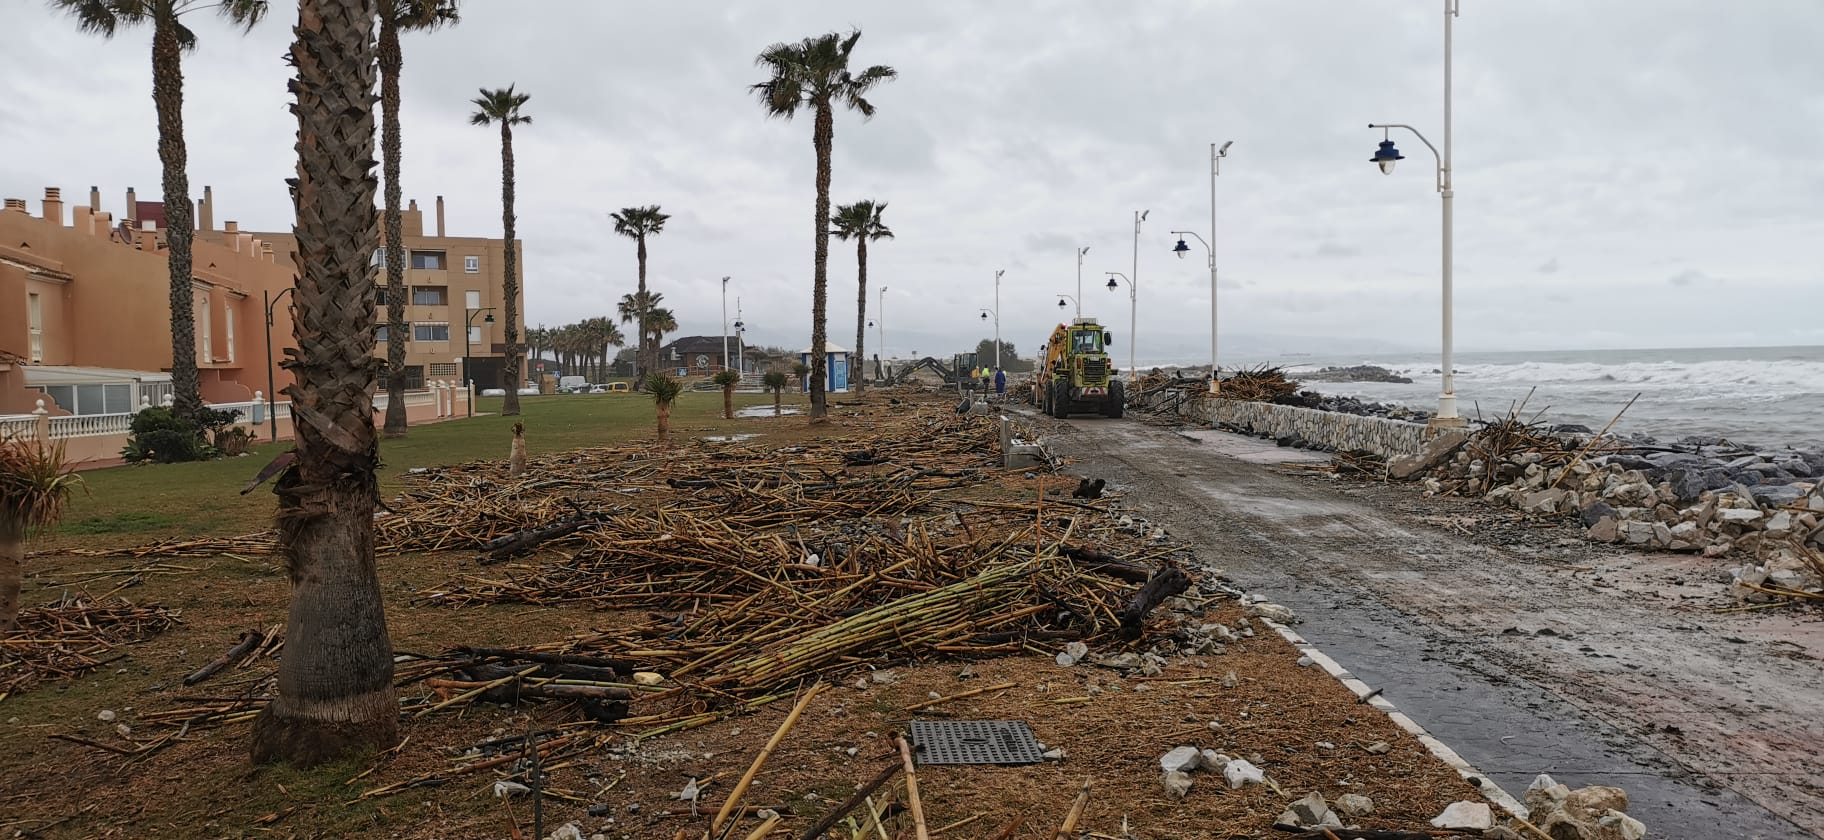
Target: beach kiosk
column 836, row 367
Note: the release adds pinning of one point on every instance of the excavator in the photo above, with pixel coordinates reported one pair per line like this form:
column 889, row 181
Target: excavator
column 1077, row 376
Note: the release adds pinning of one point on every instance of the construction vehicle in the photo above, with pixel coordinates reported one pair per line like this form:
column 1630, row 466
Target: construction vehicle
column 1077, row 376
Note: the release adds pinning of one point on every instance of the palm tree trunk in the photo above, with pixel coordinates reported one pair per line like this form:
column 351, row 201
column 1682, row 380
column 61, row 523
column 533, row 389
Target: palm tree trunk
column 858, row 367
column 12, row 559
column 509, row 405
column 821, row 138
column 664, row 421
column 728, row 402
column 168, row 97
column 335, row 683
column 776, row 393
column 648, row 354
column 391, row 63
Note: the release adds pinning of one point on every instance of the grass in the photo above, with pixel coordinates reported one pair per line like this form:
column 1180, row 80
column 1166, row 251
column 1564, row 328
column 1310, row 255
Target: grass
column 140, row 503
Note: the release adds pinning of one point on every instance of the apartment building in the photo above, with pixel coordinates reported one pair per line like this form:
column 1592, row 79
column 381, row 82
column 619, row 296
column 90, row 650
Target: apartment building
column 453, row 285
column 85, row 303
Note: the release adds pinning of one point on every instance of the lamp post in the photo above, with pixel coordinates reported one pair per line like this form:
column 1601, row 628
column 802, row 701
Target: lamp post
column 271, row 300
column 882, row 308
column 1216, row 156
column 997, row 317
column 468, row 375
column 1079, row 298
column 1133, row 305
column 725, row 322
column 1385, row 156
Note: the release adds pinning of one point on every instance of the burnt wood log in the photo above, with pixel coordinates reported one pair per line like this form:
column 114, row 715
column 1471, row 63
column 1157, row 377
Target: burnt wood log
column 1168, row 582
column 520, row 542
column 620, row 666
column 248, row 641
column 1109, row 565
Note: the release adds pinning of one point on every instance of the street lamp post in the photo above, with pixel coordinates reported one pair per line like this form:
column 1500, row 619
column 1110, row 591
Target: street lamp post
column 997, row 317
column 1133, row 305
column 1216, row 156
column 725, row 322
column 740, row 338
column 1079, row 298
column 468, row 371
column 271, row 400
column 1385, row 156
column 883, row 320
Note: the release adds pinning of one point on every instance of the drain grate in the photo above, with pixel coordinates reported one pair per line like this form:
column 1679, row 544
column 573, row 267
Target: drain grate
column 975, row 742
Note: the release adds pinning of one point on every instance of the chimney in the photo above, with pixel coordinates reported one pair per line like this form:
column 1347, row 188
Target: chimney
column 132, row 207
column 14, row 204
column 440, row 217
column 231, row 227
column 95, row 199
column 53, row 205
column 266, row 252
column 205, row 210
column 411, row 219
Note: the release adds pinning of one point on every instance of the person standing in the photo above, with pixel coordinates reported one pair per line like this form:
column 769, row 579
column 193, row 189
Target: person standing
column 1000, row 383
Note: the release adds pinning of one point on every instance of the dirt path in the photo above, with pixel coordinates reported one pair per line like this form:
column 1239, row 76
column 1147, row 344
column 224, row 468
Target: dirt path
column 1524, row 648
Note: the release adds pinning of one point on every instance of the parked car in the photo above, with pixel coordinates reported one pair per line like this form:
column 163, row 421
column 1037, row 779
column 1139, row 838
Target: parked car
column 619, row 388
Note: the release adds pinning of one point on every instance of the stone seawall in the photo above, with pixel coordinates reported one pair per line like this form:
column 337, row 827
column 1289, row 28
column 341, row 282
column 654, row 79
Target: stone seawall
column 1346, row 432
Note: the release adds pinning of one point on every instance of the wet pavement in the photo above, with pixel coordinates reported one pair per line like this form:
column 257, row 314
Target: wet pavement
column 1523, row 659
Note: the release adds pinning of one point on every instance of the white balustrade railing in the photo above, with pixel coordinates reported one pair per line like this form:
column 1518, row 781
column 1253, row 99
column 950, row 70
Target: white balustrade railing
column 18, row 425
column 90, row 425
column 99, row 425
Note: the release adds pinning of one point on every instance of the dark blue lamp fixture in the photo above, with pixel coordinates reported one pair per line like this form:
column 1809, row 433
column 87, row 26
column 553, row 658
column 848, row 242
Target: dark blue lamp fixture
column 1112, row 285
column 1181, row 249
column 1386, row 156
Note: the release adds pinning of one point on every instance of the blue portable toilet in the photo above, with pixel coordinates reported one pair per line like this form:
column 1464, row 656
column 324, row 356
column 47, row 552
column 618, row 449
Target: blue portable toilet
column 836, row 368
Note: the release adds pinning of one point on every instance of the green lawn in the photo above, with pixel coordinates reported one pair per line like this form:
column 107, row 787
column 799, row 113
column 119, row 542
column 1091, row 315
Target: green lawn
column 136, row 504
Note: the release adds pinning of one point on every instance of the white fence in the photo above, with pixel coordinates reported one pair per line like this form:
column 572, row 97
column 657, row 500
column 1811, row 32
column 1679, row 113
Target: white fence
column 101, row 425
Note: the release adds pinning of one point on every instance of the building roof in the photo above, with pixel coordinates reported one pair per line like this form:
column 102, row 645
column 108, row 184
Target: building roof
column 699, row 344
column 828, row 347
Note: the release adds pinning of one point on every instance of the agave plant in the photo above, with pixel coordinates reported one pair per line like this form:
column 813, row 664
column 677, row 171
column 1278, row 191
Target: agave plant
column 728, row 379
column 35, row 486
column 775, row 382
column 664, row 390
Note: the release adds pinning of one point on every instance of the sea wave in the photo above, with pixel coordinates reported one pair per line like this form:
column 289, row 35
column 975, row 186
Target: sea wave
column 1714, row 378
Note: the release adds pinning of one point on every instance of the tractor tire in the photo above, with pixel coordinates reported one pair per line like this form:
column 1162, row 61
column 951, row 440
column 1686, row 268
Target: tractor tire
column 1060, row 401
column 1116, row 403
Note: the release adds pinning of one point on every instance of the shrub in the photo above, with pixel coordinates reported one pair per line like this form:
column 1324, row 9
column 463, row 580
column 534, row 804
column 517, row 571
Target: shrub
column 159, row 435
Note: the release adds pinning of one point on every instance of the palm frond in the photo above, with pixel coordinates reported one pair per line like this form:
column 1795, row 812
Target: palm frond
column 100, row 17
column 244, row 14
column 36, row 481
column 422, row 15
column 501, row 105
column 664, row 388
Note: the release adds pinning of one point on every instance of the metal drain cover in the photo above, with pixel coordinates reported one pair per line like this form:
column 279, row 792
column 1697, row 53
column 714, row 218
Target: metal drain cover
column 975, row 742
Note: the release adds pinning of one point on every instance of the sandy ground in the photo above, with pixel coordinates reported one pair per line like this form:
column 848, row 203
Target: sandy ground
column 1522, row 646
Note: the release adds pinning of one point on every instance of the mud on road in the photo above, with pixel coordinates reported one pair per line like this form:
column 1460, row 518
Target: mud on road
column 1525, row 648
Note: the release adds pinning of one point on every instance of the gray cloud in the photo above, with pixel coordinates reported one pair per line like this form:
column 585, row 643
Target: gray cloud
column 1689, row 277
column 1021, row 130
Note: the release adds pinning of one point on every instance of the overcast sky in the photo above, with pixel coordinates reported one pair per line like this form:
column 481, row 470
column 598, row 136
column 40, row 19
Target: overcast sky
column 1630, row 173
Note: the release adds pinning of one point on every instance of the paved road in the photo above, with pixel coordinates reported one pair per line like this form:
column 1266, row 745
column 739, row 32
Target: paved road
column 1530, row 652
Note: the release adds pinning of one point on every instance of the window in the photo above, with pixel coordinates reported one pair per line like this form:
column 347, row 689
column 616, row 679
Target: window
column 379, row 258
column 206, row 342
column 379, row 296
column 430, row 296
column 92, row 399
column 34, row 318
column 228, row 327
column 414, row 378
column 474, row 335
column 428, row 260
column 443, row 368
column 471, row 299
column 439, row 331
column 471, row 265
column 380, row 333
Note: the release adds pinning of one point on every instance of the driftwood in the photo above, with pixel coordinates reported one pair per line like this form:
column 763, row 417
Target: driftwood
column 836, row 814
column 248, row 641
column 1170, row 581
column 520, row 542
column 562, row 659
column 1114, row 567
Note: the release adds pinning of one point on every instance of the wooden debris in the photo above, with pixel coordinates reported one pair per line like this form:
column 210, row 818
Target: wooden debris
column 72, row 637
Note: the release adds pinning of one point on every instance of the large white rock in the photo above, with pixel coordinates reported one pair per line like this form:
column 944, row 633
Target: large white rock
column 1241, row 772
column 1181, row 759
column 1471, row 816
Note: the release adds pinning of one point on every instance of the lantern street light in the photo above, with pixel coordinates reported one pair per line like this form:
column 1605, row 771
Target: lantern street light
column 1064, row 297
column 725, row 322
column 468, row 329
column 1133, row 303
column 1079, row 298
column 272, row 406
column 1216, row 156
column 997, row 317
column 882, row 309
column 1385, row 156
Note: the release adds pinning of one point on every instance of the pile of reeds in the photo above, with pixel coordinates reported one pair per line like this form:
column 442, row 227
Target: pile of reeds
column 72, row 637
column 1266, row 383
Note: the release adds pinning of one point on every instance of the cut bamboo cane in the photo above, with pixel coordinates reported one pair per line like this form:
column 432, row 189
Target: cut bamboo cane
column 912, row 800
column 740, row 789
column 1069, row 826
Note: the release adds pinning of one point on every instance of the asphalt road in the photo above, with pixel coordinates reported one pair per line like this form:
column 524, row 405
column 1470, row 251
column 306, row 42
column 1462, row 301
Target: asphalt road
column 1524, row 648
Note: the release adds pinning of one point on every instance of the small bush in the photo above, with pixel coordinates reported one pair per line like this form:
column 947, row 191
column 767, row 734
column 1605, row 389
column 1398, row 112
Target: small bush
column 160, row 436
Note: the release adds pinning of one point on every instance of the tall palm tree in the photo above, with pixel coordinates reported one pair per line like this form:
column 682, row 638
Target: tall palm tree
column 502, row 107
column 638, row 223
column 813, row 75
column 861, row 222
column 397, row 16
column 170, row 40
column 335, row 687
column 659, row 321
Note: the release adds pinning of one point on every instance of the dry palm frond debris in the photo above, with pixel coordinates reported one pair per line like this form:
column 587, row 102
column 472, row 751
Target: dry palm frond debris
column 1265, row 383
column 71, row 637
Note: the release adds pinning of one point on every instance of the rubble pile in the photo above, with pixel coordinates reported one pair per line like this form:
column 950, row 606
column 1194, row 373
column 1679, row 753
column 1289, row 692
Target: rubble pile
column 1354, row 405
column 1702, row 495
column 1355, row 373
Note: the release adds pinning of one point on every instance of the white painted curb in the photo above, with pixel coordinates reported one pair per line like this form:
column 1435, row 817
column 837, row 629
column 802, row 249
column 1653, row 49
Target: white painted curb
column 1371, row 696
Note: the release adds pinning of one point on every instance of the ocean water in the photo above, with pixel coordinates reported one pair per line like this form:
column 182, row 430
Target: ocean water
column 1767, row 396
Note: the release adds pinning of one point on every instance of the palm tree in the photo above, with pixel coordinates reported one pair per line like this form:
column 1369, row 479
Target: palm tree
column 659, row 321
column 502, row 106
column 170, row 40
column 728, row 379
column 861, row 222
column 35, row 485
column 605, row 335
column 397, row 16
column 638, row 223
column 335, row 684
column 664, row 390
column 775, row 382
column 814, row 74
column 801, row 370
